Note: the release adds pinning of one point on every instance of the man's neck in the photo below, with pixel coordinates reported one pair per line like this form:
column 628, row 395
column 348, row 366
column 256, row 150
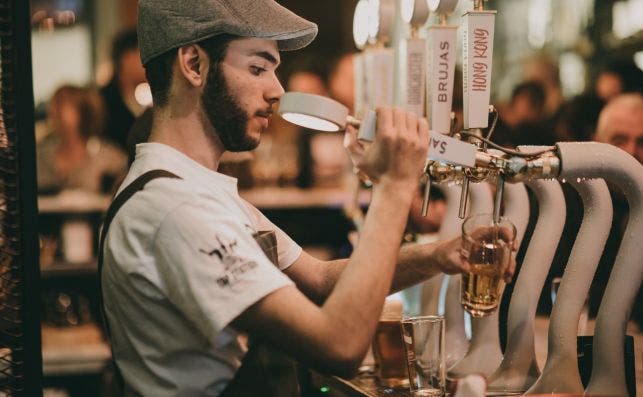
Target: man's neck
column 186, row 131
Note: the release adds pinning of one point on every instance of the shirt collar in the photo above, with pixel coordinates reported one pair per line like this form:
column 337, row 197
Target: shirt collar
column 154, row 155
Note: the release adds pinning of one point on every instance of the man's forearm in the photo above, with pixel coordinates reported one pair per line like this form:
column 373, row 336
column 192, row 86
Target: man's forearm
column 416, row 263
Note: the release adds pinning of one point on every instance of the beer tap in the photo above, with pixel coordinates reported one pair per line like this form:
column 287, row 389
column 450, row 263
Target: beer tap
column 360, row 37
column 441, row 42
column 412, row 68
column 478, row 29
column 378, row 57
column 441, row 54
column 414, row 13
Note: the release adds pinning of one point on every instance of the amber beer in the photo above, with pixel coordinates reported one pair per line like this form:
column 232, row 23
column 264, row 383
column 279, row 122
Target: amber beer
column 388, row 350
column 487, row 249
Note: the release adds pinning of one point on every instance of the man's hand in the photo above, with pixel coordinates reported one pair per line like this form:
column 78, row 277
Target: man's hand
column 448, row 256
column 502, row 234
column 399, row 150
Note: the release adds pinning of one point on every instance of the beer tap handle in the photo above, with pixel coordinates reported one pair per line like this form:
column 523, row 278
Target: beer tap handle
column 464, row 196
column 427, row 192
column 497, row 202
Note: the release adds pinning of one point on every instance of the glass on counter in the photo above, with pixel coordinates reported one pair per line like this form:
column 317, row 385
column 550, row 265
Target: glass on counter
column 423, row 341
column 388, row 349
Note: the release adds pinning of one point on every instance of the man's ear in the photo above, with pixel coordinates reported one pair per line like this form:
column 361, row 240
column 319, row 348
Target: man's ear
column 192, row 64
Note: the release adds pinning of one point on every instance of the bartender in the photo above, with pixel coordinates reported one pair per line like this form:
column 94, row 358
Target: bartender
column 182, row 273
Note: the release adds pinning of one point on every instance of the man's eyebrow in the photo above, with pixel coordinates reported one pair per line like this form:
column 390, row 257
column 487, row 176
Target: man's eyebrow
column 267, row 56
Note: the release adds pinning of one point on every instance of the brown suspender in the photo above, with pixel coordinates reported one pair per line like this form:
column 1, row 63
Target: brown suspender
column 137, row 185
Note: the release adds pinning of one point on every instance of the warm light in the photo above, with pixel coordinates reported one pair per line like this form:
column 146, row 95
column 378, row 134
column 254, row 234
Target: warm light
column 143, row 94
column 313, row 111
column 572, row 73
column 445, row 7
column 433, row 4
column 373, row 18
column 414, row 12
column 638, row 59
column 360, row 23
column 626, row 18
column 538, row 22
column 311, row 122
column 406, row 9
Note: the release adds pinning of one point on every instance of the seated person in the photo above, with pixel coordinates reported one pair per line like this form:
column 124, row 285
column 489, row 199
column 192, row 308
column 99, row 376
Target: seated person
column 620, row 123
column 72, row 155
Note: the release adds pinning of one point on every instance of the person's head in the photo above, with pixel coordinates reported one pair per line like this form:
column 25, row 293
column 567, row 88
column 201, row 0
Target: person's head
column 528, row 102
column 306, row 81
column 577, row 118
column 126, row 59
column 76, row 112
column 621, row 124
column 219, row 57
column 544, row 69
column 616, row 78
column 341, row 81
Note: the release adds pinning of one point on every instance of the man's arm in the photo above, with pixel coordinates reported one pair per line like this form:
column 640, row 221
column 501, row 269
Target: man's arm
column 416, row 263
column 336, row 335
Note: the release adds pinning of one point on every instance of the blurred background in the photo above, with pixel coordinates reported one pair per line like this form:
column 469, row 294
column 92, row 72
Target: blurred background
column 556, row 64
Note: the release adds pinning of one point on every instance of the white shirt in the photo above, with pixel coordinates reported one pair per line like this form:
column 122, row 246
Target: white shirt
column 180, row 264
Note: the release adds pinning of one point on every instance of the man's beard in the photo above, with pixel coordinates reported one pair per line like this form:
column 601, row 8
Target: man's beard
column 229, row 120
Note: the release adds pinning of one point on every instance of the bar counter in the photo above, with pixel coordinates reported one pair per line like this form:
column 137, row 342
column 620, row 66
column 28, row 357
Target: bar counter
column 73, row 202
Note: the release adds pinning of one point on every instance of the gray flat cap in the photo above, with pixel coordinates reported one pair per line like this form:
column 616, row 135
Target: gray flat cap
column 167, row 24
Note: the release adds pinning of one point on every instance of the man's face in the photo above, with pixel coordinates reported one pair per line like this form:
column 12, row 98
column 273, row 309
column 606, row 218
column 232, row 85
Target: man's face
column 524, row 110
column 239, row 93
column 624, row 129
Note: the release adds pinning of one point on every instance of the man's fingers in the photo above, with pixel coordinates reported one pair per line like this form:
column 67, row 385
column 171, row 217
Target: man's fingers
column 351, row 143
column 384, row 121
column 412, row 123
column 350, row 136
column 423, row 131
column 509, row 271
column 400, row 122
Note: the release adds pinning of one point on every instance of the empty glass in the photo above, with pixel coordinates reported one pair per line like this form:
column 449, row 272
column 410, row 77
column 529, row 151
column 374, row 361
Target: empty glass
column 423, row 338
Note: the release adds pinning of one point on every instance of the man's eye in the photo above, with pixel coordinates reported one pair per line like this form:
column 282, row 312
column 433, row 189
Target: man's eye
column 618, row 140
column 256, row 70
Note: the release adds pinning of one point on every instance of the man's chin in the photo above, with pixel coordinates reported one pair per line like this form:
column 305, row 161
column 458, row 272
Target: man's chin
column 249, row 143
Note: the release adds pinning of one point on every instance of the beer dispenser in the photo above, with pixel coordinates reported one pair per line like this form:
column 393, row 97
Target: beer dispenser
column 453, row 160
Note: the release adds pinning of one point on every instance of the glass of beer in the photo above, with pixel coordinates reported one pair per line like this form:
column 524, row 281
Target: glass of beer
column 388, row 349
column 487, row 247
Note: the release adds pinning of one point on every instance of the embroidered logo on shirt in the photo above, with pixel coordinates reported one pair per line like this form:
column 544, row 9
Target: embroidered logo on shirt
column 234, row 266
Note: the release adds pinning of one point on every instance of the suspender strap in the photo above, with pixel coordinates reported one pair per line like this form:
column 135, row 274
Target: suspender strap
column 137, row 185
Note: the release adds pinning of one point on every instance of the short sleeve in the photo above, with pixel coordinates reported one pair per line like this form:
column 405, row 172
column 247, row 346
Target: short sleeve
column 211, row 267
column 287, row 249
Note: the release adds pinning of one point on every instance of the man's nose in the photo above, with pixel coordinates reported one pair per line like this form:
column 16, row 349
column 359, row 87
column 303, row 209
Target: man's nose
column 630, row 147
column 275, row 91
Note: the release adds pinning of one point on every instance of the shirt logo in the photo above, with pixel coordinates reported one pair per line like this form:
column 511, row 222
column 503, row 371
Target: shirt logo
column 234, row 266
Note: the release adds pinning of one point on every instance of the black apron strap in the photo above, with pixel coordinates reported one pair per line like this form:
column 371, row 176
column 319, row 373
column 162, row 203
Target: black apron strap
column 137, row 185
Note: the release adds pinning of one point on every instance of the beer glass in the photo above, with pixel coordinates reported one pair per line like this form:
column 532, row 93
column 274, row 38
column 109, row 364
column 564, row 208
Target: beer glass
column 487, row 247
column 388, row 349
column 424, row 346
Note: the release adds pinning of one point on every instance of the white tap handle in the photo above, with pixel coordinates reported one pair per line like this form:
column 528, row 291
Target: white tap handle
column 477, row 46
column 441, row 56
